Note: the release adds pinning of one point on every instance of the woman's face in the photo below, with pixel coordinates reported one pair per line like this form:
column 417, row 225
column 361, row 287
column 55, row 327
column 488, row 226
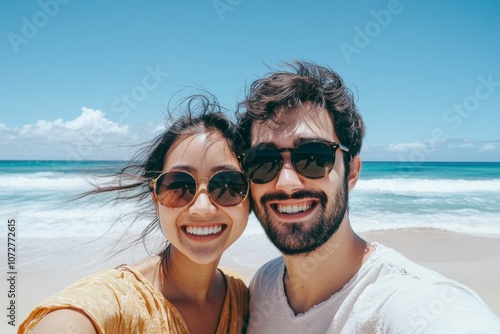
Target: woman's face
column 202, row 230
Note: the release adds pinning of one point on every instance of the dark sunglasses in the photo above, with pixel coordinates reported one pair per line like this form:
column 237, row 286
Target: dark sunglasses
column 313, row 159
column 176, row 189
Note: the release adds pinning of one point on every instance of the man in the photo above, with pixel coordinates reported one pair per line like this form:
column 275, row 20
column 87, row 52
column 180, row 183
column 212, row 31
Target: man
column 305, row 135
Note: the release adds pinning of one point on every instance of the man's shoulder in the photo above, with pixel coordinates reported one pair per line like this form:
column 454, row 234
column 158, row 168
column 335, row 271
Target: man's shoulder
column 269, row 271
column 389, row 262
column 272, row 265
column 389, row 274
column 393, row 287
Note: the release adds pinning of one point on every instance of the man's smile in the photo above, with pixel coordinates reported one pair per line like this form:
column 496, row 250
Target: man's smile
column 295, row 208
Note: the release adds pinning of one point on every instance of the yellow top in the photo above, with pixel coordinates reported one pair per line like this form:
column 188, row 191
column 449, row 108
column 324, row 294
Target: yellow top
column 121, row 300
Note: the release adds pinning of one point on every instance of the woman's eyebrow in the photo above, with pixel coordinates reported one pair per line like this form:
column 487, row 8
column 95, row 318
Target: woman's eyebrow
column 185, row 168
column 224, row 167
column 192, row 170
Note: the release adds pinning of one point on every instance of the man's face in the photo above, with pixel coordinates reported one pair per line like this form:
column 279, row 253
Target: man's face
column 300, row 214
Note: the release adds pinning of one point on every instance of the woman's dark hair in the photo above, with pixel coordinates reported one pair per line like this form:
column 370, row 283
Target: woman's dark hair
column 270, row 97
column 199, row 114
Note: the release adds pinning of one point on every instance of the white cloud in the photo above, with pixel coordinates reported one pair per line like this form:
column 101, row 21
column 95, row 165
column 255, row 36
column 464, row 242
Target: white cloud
column 159, row 127
column 90, row 121
column 401, row 147
column 90, row 135
column 452, row 149
column 466, row 145
column 488, row 147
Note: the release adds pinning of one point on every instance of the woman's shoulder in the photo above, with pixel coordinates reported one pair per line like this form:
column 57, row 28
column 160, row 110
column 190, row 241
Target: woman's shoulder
column 235, row 282
column 231, row 273
column 147, row 269
column 105, row 297
column 111, row 276
column 107, row 282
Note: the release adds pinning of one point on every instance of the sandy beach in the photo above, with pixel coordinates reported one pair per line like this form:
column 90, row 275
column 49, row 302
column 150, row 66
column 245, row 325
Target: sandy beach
column 472, row 260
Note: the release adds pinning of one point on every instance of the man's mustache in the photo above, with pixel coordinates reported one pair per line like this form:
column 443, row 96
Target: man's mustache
column 301, row 194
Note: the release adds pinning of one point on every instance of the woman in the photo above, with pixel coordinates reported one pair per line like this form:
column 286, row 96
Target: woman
column 200, row 198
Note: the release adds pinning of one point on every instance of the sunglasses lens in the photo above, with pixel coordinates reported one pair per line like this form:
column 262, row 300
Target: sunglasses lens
column 175, row 189
column 262, row 164
column 313, row 160
column 228, row 187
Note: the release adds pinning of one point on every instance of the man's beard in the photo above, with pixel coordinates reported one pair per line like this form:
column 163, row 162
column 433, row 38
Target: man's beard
column 304, row 237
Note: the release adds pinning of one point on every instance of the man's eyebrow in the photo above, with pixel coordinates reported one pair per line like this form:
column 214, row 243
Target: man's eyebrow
column 296, row 142
column 266, row 144
column 303, row 140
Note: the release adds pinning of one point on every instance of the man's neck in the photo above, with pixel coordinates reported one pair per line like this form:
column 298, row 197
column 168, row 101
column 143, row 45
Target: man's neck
column 313, row 278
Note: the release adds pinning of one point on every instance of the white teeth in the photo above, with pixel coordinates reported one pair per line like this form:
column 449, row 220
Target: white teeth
column 202, row 231
column 293, row 208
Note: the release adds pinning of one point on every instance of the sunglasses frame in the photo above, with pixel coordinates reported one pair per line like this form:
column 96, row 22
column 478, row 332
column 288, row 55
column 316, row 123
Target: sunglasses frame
column 153, row 183
column 333, row 145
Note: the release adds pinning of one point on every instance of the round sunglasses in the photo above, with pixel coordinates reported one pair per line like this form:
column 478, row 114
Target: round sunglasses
column 176, row 189
column 313, row 159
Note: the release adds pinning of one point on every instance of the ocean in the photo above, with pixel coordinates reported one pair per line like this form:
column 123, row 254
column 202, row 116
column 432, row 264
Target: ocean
column 460, row 197
column 58, row 241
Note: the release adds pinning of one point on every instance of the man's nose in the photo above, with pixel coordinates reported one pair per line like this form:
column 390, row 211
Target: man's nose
column 288, row 179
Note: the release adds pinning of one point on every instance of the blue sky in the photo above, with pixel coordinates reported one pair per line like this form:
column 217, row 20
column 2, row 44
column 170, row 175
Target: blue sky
column 86, row 79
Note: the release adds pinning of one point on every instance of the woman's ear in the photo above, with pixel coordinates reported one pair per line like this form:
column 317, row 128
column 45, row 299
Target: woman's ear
column 354, row 171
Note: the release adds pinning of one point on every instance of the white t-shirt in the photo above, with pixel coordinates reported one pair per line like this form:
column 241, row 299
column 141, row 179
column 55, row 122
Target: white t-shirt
column 389, row 294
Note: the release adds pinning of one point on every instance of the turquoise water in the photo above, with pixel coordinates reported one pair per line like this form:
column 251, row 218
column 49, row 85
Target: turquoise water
column 432, row 170
column 462, row 197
